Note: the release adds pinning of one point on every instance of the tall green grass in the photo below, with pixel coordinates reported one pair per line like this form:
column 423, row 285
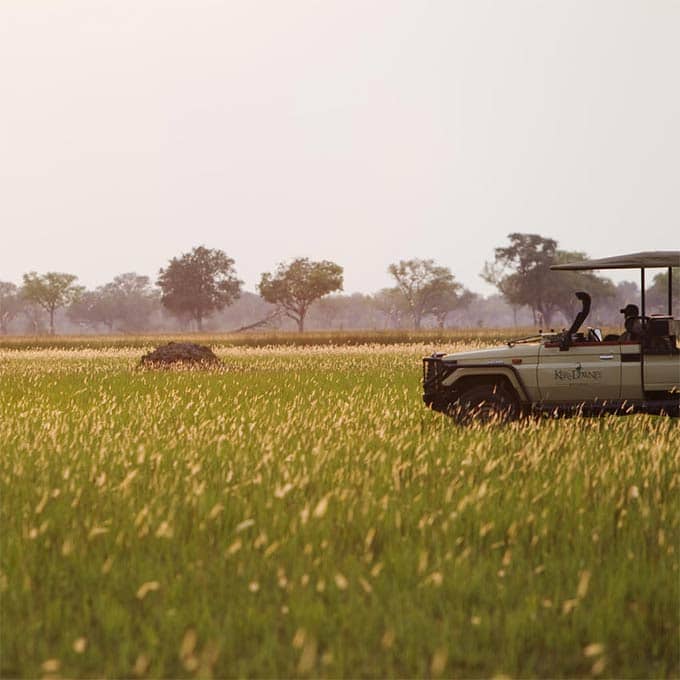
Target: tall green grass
column 266, row 338
column 300, row 513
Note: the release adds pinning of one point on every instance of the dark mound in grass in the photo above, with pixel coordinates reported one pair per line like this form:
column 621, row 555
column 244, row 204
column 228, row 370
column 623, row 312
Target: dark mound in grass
column 184, row 353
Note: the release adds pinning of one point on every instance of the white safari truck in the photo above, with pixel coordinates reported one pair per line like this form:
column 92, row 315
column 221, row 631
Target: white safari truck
column 574, row 371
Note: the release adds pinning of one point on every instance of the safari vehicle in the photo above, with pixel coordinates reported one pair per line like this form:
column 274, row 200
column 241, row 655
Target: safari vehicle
column 573, row 371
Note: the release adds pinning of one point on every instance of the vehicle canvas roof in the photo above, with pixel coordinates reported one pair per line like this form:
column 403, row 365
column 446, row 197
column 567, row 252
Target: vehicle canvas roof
column 644, row 260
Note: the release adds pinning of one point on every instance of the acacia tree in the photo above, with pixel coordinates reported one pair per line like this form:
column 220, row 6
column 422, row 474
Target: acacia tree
column 522, row 274
column 10, row 304
column 198, row 283
column 425, row 287
column 294, row 287
column 562, row 284
column 521, row 270
column 51, row 291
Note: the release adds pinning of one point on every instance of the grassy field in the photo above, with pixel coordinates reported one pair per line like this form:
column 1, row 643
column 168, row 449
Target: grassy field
column 300, row 513
column 268, row 338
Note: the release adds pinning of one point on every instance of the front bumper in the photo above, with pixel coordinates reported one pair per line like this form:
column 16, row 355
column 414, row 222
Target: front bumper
column 436, row 396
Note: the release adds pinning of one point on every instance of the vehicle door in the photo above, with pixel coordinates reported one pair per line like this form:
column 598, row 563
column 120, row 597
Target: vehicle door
column 662, row 372
column 585, row 372
column 631, row 371
column 661, row 356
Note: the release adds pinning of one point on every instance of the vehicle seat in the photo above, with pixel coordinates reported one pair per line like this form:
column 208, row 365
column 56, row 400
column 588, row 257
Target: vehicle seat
column 633, row 326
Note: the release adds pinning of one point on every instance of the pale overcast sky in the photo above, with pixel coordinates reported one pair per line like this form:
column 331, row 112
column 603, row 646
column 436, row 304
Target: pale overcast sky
column 358, row 131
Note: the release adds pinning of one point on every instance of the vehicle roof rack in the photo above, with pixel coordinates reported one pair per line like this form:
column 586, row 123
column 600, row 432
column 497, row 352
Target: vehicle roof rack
column 649, row 259
column 645, row 260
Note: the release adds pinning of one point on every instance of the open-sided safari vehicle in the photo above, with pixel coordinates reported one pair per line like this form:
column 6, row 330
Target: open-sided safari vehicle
column 573, row 371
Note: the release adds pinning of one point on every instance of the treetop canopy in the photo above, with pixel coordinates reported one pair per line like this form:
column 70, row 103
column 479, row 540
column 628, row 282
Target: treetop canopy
column 645, row 260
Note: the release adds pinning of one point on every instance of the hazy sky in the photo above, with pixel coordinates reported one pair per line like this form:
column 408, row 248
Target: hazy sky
column 363, row 132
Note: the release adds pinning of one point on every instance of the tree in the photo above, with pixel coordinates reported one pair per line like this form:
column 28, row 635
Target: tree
column 425, row 287
column 562, row 284
column 522, row 274
column 51, row 291
column 448, row 301
column 294, row 287
column 521, row 271
column 10, row 304
column 343, row 312
column 135, row 300
column 35, row 317
column 92, row 309
column 390, row 303
column 128, row 301
column 198, row 283
column 329, row 308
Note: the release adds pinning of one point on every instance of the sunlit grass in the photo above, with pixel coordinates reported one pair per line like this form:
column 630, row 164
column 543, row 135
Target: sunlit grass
column 298, row 512
column 266, row 338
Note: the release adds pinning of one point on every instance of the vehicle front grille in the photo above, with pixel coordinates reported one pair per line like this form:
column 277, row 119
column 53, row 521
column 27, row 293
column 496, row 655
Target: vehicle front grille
column 429, row 370
column 433, row 369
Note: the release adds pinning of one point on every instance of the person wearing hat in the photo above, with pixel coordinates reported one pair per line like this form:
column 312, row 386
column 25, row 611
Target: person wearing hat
column 632, row 323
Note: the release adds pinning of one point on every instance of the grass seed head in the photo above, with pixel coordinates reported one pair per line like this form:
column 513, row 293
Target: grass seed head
column 51, row 666
column 146, row 588
column 438, row 662
column 79, row 645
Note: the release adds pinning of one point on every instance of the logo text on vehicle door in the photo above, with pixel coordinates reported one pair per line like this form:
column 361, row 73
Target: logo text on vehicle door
column 573, row 374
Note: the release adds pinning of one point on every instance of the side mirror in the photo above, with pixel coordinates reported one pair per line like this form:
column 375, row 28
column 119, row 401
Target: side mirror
column 598, row 334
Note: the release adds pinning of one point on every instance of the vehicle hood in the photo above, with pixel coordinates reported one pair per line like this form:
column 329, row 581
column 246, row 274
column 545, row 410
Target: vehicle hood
column 494, row 354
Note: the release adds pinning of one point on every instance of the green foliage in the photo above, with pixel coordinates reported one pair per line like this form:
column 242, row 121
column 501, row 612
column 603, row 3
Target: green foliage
column 300, row 513
column 450, row 299
column 426, row 288
column 198, row 283
column 92, row 308
column 127, row 302
column 295, row 286
column 51, row 291
column 563, row 284
column 521, row 272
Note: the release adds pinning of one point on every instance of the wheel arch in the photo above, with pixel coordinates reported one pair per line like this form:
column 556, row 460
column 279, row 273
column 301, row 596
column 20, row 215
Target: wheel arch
column 466, row 377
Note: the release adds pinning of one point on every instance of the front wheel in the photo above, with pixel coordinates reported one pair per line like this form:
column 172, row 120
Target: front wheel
column 485, row 404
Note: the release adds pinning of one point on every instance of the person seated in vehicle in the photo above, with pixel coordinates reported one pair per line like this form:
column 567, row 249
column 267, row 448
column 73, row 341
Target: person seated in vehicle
column 632, row 323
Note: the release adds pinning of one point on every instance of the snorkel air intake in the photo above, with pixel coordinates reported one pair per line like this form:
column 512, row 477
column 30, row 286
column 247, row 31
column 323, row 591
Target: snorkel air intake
column 580, row 318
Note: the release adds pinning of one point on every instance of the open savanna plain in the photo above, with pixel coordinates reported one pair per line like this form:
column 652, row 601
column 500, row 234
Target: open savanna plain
column 299, row 512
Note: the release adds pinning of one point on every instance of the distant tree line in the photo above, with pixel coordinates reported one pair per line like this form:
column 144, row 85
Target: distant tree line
column 200, row 289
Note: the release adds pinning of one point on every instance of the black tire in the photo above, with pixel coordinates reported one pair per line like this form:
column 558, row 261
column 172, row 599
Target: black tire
column 671, row 411
column 485, row 404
